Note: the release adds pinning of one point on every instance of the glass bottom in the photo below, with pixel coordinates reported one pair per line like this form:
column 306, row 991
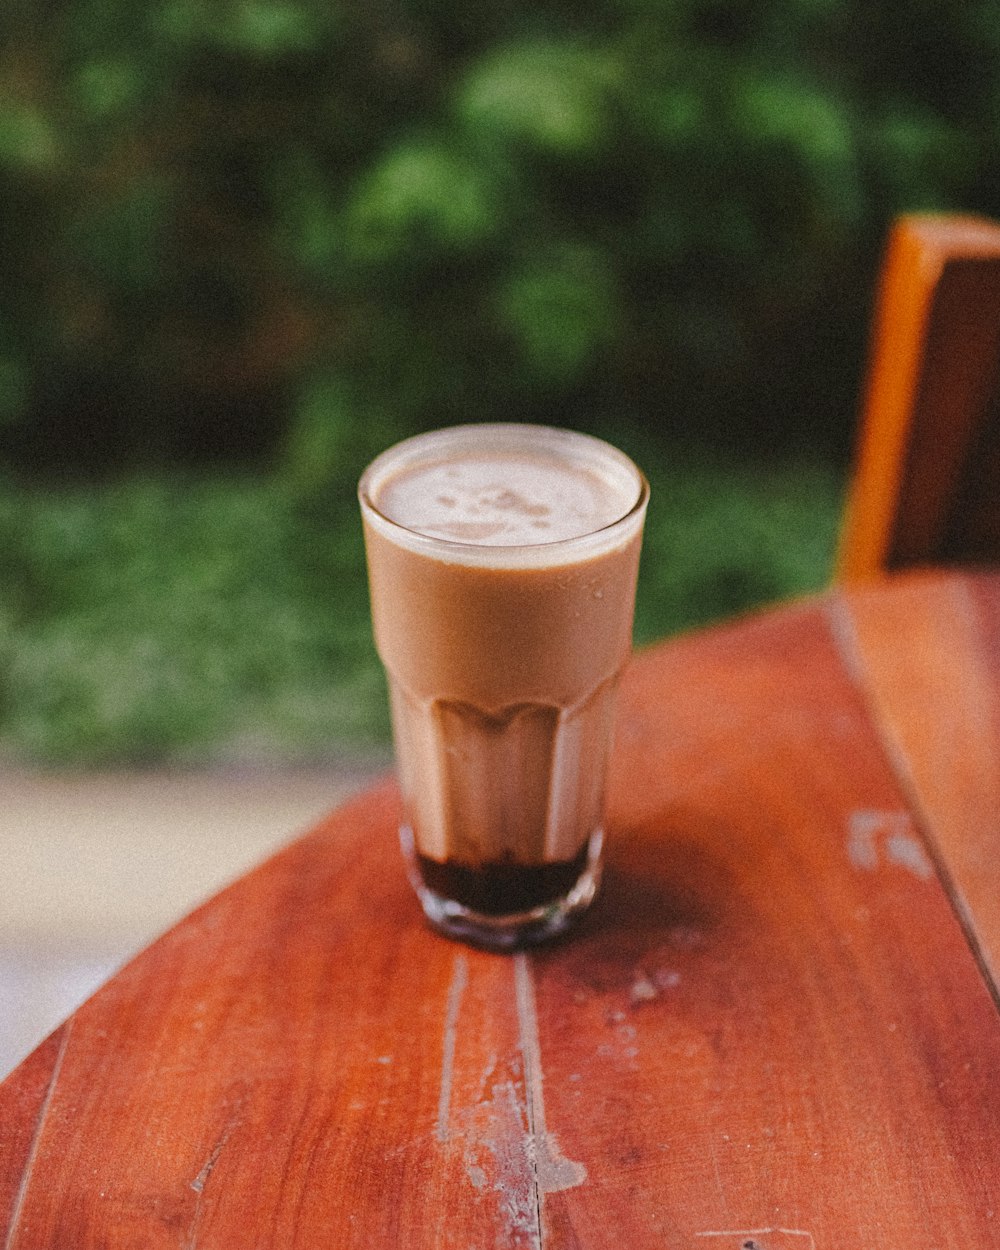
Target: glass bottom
column 488, row 925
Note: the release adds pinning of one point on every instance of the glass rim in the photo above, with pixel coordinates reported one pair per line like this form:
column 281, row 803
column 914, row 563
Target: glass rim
column 489, row 552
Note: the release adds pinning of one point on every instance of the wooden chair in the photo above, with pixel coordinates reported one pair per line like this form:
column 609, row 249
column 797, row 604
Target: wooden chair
column 926, row 487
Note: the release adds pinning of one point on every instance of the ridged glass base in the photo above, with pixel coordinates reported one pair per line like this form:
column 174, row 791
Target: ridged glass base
column 498, row 930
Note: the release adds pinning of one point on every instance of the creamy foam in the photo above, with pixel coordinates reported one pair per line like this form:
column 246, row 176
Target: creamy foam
column 501, row 500
column 507, row 486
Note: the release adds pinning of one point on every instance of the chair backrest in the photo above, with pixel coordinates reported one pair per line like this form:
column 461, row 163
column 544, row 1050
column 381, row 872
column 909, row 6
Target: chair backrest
column 926, row 485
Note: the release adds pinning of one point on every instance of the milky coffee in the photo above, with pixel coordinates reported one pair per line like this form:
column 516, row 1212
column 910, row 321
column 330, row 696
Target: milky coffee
column 502, row 566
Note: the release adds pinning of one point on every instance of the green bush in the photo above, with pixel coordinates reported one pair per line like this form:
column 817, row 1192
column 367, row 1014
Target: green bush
column 184, row 620
column 193, row 620
column 282, row 234
column 215, row 212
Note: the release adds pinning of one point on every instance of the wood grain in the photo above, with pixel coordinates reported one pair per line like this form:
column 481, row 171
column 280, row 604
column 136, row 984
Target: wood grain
column 300, row 1059
column 928, row 654
column 23, row 1103
column 769, row 1032
column 773, row 1022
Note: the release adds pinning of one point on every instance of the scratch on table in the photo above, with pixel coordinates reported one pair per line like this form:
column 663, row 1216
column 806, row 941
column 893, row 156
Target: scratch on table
column 872, row 834
column 40, row 1124
column 553, row 1171
column 907, row 852
column 513, row 1183
column 493, row 1138
column 459, row 979
column 201, row 1180
column 717, row 1172
column 738, row 1233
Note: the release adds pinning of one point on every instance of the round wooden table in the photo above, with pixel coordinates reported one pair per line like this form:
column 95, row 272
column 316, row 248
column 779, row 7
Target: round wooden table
column 777, row 1030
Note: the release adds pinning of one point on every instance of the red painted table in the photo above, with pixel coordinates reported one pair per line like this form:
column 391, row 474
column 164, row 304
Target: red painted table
column 778, row 1028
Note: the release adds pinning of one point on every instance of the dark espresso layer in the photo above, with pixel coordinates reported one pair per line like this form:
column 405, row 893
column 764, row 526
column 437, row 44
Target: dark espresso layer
column 503, row 888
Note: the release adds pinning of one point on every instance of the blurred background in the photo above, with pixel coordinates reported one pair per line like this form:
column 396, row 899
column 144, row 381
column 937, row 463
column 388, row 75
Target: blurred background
column 246, row 244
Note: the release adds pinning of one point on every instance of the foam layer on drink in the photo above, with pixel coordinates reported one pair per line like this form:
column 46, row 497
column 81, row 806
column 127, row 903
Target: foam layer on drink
column 510, row 501
column 504, row 487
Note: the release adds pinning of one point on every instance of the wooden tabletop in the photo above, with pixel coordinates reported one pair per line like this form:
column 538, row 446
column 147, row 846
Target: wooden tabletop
column 777, row 1030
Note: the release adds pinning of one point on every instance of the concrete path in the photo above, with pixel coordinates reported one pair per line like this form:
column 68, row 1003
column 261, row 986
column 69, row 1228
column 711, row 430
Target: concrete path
column 92, row 868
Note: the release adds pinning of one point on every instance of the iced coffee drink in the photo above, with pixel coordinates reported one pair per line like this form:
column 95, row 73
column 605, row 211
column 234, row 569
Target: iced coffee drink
column 502, row 563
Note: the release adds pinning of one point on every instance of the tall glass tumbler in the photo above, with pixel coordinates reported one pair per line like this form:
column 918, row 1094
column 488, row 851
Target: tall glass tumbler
column 502, row 563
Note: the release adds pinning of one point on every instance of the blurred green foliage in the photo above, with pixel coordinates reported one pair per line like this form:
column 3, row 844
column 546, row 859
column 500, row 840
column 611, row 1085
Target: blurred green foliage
column 274, row 236
column 195, row 620
column 669, row 211
column 180, row 619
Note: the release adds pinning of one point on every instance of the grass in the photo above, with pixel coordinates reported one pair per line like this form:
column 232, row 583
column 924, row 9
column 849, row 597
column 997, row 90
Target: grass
column 206, row 619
